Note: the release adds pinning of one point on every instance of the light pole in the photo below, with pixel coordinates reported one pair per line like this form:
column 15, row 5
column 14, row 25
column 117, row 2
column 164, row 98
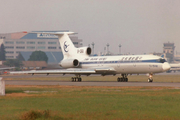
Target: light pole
column 104, row 50
column 107, row 48
column 119, row 48
column 93, row 47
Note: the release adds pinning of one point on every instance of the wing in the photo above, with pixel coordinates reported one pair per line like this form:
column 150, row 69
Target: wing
column 103, row 71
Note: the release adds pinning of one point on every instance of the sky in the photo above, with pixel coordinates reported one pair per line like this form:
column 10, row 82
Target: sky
column 140, row 26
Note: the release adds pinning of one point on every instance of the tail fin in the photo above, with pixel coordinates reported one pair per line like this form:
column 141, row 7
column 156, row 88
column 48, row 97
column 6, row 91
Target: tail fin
column 67, row 47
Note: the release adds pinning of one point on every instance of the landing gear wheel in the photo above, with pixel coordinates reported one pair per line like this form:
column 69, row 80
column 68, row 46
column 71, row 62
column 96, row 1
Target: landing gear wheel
column 118, row 79
column 122, row 79
column 73, row 79
column 150, row 80
column 79, row 79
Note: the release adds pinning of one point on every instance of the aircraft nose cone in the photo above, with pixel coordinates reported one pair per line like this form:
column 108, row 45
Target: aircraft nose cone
column 166, row 66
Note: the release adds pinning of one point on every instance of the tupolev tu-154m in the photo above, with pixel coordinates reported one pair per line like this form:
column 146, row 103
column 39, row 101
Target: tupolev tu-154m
column 78, row 61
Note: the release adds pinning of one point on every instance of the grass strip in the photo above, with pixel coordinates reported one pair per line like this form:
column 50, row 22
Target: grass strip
column 71, row 102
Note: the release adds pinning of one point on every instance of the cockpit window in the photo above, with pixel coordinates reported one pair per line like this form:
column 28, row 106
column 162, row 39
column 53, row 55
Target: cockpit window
column 162, row 60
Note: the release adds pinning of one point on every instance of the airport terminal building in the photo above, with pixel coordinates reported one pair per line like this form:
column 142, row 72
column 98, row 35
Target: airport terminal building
column 28, row 42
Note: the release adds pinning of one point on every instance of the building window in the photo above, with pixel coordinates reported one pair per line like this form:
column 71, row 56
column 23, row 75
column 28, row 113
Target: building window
column 75, row 43
column 41, row 42
column 52, row 42
column 20, row 47
column 20, row 42
column 41, row 47
column 2, row 37
column 30, row 47
column 17, row 52
column 30, row 42
column 9, row 47
column 51, row 47
column 8, row 57
column 11, row 52
column 9, row 42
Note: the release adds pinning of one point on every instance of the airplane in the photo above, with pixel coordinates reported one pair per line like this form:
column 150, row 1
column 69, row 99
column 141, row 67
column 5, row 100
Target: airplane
column 174, row 67
column 4, row 69
column 78, row 61
column 7, row 68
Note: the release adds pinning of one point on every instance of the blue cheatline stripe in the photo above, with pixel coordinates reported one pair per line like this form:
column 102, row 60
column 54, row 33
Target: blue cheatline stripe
column 107, row 62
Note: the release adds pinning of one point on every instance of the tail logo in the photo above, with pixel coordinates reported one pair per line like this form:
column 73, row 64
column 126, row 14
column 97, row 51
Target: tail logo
column 65, row 46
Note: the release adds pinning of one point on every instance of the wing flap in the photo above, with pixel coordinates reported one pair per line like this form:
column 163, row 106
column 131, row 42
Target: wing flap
column 105, row 70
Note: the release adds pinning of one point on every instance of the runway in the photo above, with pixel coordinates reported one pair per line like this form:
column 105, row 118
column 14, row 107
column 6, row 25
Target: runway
column 110, row 84
column 90, row 82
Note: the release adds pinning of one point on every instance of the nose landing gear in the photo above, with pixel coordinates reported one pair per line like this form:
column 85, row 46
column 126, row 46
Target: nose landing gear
column 150, row 79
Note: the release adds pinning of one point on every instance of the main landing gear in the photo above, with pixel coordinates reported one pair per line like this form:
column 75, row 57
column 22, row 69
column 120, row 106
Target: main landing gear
column 123, row 78
column 150, row 79
column 78, row 79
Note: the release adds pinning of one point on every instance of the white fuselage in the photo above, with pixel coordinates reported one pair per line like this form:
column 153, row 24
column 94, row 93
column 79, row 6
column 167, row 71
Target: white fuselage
column 129, row 64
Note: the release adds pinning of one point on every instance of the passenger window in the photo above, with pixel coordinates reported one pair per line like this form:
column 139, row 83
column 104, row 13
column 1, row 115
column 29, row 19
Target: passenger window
column 136, row 58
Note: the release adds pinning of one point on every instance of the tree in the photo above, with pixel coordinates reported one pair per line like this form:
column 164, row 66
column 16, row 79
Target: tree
column 38, row 56
column 2, row 53
column 13, row 63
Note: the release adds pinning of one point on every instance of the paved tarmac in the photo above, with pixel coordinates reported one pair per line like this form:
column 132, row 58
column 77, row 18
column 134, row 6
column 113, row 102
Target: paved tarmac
column 48, row 82
column 85, row 83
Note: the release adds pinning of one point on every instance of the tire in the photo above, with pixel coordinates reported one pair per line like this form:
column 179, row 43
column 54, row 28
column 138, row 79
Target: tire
column 79, row 79
column 118, row 79
column 150, row 80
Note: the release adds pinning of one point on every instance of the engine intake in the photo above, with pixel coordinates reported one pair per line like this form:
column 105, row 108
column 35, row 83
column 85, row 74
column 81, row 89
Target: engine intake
column 88, row 51
column 75, row 62
column 84, row 51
